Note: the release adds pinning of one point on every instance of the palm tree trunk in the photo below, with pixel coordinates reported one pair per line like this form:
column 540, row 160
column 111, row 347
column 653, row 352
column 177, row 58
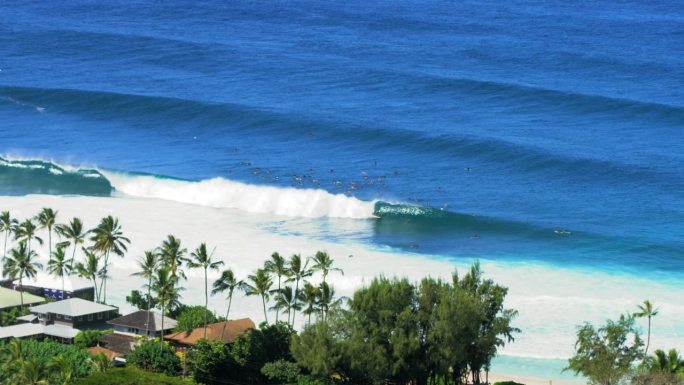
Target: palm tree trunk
column 206, row 302
column 50, row 242
column 161, row 340
column 96, row 292
column 263, row 300
column 294, row 311
column 288, row 316
column 230, row 299
column 21, row 292
column 62, row 286
column 648, row 338
column 73, row 255
column 149, row 308
column 104, row 278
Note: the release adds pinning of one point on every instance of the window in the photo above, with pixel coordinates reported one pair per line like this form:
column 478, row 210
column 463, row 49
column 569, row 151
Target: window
column 90, row 317
column 100, row 315
column 59, row 316
column 68, row 318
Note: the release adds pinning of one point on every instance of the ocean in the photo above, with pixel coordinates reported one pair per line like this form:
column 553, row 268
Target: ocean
column 545, row 139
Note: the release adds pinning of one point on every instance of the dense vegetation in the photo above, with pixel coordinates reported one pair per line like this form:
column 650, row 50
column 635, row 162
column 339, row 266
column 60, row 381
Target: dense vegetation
column 132, row 376
column 614, row 353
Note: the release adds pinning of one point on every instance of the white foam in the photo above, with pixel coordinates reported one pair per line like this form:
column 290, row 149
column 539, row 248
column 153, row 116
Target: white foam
column 224, row 193
column 551, row 301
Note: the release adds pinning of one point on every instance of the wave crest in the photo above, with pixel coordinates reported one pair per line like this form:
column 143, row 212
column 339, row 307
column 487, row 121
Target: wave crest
column 224, row 193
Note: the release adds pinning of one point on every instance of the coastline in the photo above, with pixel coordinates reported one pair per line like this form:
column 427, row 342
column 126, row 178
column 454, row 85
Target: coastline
column 550, row 300
column 531, row 380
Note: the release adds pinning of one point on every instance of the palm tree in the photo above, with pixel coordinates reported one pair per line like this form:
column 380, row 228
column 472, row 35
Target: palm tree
column 7, row 225
column 324, row 263
column 31, row 373
column 64, row 367
column 59, row 266
column 277, row 266
column 100, row 362
column 309, row 296
column 327, row 300
column 201, row 259
column 297, row 272
column 670, row 362
column 163, row 287
column 90, row 269
column 227, row 282
column 646, row 310
column 21, row 263
column 74, row 233
column 172, row 256
column 260, row 284
column 108, row 238
column 285, row 302
column 148, row 266
column 46, row 219
column 26, row 231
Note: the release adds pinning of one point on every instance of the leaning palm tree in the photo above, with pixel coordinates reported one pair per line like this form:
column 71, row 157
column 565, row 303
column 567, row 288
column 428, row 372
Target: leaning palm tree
column 324, row 263
column 46, row 219
column 74, row 233
column 147, row 265
column 201, row 259
column 22, row 264
column 26, row 231
column 90, row 270
column 163, row 287
column 297, row 272
column 108, row 238
column 285, row 301
column 59, row 266
column 647, row 310
column 7, row 225
column 227, row 282
column 260, row 284
column 309, row 297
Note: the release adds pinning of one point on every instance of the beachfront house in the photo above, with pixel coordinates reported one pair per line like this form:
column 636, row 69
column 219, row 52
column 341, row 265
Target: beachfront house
column 49, row 286
column 129, row 330
column 226, row 331
column 10, row 299
column 61, row 320
column 136, row 324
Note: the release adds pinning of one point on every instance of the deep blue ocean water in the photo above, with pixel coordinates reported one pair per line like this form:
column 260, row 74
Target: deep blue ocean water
column 549, row 131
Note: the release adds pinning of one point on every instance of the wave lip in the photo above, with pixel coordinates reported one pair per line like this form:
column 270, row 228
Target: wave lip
column 21, row 177
column 224, row 193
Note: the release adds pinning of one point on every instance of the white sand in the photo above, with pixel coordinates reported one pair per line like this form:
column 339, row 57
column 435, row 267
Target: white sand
column 551, row 300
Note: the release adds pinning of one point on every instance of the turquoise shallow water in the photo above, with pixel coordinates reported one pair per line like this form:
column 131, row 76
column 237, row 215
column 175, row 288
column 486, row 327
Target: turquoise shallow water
column 517, row 132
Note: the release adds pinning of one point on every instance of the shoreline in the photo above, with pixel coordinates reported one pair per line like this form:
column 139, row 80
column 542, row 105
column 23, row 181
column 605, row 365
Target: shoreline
column 531, row 380
column 243, row 242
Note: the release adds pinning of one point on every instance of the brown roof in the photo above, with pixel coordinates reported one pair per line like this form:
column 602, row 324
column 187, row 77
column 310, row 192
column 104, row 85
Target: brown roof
column 139, row 319
column 234, row 328
column 119, row 343
column 110, row 354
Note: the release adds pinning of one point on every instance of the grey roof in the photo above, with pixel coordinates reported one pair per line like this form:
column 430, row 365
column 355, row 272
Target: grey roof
column 72, row 307
column 28, row 318
column 139, row 318
column 12, row 298
column 28, row 330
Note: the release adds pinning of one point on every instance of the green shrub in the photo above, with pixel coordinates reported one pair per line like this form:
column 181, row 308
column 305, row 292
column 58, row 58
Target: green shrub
column 311, row 380
column 507, row 383
column 281, row 371
column 89, row 338
column 131, row 376
column 153, row 357
column 192, row 317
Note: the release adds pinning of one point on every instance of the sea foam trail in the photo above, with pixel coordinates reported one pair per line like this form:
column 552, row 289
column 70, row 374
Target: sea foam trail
column 224, row 193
